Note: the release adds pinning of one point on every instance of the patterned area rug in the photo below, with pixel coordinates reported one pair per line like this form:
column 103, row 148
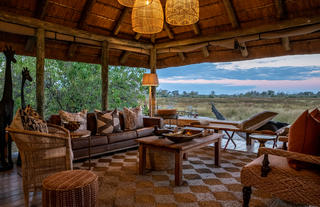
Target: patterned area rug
column 204, row 184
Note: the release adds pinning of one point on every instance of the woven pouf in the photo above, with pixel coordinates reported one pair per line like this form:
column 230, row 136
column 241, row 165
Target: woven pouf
column 72, row 188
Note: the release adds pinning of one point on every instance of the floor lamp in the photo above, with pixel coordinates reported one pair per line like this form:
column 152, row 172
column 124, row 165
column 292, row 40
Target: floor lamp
column 150, row 79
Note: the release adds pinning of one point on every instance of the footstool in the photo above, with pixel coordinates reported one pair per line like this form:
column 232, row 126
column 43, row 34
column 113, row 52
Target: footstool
column 72, row 188
column 263, row 138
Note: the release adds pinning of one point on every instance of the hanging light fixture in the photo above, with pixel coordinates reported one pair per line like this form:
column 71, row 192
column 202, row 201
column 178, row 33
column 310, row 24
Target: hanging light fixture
column 182, row 12
column 130, row 3
column 147, row 19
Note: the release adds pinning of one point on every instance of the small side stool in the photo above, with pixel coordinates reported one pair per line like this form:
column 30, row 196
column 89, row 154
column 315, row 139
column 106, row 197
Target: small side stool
column 72, row 188
column 263, row 138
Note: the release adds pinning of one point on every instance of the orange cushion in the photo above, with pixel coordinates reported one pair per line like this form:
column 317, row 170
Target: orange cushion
column 316, row 114
column 304, row 137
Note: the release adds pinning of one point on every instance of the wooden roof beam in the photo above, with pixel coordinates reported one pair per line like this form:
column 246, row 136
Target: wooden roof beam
column 124, row 57
column 231, row 13
column 282, row 25
column 168, row 31
column 196, row 29
column 118, row 24
column 282, row 14
column 41, row 10
column 85, row 13
column 280, row 9
column 182, row 56
column 205, row 52
column 243, row 49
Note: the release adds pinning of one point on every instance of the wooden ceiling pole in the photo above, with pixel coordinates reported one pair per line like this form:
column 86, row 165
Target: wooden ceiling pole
column 171, row 37
column 124, row 57
column 40, row 71
column 104, row 75
column 231, row 13
column 118, row 24
column 282, row 14
column 82, row 22
column 197, row 31
column 40, row 13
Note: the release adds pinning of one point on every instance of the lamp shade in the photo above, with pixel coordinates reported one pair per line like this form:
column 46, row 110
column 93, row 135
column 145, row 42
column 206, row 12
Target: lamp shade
column 182, row 12
column 130, row 3
column 150, row 79
column 147, row 19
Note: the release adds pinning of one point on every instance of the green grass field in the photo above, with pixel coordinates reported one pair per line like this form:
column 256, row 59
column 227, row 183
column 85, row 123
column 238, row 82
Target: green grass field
column 242, row 108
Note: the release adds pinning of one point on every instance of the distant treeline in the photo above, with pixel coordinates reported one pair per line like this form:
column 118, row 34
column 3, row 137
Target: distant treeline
column 256, row 94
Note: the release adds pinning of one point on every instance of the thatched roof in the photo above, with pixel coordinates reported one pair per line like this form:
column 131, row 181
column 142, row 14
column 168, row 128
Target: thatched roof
column 228, row 30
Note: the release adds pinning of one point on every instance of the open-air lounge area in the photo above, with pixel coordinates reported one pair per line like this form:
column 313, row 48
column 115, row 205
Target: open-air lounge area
column 83, row 123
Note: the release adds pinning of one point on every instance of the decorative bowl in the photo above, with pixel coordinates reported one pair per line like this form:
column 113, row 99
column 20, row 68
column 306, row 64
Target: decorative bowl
column 72, row 125
column 183, row 135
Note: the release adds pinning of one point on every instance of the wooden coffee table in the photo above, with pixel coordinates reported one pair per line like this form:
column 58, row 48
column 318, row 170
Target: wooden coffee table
column 178, row 149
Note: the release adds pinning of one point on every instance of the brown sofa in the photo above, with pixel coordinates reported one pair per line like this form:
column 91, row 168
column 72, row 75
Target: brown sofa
column 111, row 142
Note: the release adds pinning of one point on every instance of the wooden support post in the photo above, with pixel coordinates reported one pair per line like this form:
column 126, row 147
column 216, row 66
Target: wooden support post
column 182, row 56
column 196, row 29
column 124, row 57
column 40, row 71
column 153, row 63
column 168, row 30
column 205, row 52
column 137, row 36
column 104, row 74
column 286, row 43
column 243, row 49
column 153, row 38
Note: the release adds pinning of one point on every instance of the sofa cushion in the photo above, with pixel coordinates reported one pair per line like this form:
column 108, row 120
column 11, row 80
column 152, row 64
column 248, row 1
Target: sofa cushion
column 80, row 117
column 133, row 118
column 145, row 131
column 121, row 136
column 83, row 142
column 84, row 152
column 122, row 145
column 104, row 122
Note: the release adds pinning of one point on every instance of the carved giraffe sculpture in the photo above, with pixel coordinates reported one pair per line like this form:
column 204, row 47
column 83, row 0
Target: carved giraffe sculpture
column 6, row 109
column 25, row 76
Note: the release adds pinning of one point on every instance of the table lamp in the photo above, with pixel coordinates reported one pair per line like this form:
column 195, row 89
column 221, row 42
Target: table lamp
column 150, row 79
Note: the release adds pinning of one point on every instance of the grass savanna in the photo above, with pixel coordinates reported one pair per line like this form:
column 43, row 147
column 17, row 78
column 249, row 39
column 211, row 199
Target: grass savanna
column 239, row 108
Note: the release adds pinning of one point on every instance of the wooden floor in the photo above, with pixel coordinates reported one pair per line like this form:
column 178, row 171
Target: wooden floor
column 11, row 193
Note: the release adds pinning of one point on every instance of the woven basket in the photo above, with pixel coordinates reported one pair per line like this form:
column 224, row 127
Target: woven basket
column 159, row 160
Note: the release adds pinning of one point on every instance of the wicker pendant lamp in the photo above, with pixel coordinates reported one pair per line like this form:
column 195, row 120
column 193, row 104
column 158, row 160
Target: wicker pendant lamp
column 182, row 12
column 130, row 3
column 147, row 19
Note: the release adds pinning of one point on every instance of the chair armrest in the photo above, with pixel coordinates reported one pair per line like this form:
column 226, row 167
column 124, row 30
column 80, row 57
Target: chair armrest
column 291, row 155
column 153, row 121
column 41, row 134
column 283, row 138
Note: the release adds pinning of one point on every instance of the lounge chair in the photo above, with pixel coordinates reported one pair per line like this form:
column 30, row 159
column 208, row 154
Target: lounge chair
column 247, row 126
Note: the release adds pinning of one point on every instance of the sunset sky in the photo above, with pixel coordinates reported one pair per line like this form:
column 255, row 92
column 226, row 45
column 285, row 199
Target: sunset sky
column 288, row 74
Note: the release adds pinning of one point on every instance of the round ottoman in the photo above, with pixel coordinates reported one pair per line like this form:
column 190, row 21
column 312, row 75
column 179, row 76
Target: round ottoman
column 70, row 188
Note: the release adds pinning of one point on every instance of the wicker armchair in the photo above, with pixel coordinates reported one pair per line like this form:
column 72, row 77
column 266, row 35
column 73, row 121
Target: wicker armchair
column 42, row 154
column 271, row 173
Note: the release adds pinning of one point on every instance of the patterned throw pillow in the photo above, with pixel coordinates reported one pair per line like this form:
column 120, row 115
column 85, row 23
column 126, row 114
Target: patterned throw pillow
column 116, row 121
column 31, row 120
column 79, row 117
column 133, row 118
column 104, row 122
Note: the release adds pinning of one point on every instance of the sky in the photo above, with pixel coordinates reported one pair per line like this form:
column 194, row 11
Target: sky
column 289, row 74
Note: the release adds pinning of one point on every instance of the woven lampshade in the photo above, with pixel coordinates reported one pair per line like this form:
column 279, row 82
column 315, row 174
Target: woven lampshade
column 130, row 3
column 147, row 19
column 150, row 79
column 182, row 12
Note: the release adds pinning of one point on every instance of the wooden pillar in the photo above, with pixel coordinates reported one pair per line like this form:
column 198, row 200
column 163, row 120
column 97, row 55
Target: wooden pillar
column 104, row 75
column 40, row 71
column 153, row 65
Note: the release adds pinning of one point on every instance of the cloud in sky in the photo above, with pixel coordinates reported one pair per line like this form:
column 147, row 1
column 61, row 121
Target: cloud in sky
column 278, row 85
column 284, row 61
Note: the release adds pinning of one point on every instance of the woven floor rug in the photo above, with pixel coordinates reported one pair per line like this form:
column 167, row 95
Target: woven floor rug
column 204, row 184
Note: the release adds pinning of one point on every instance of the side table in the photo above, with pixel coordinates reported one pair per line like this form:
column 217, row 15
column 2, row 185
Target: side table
column 263, row 138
